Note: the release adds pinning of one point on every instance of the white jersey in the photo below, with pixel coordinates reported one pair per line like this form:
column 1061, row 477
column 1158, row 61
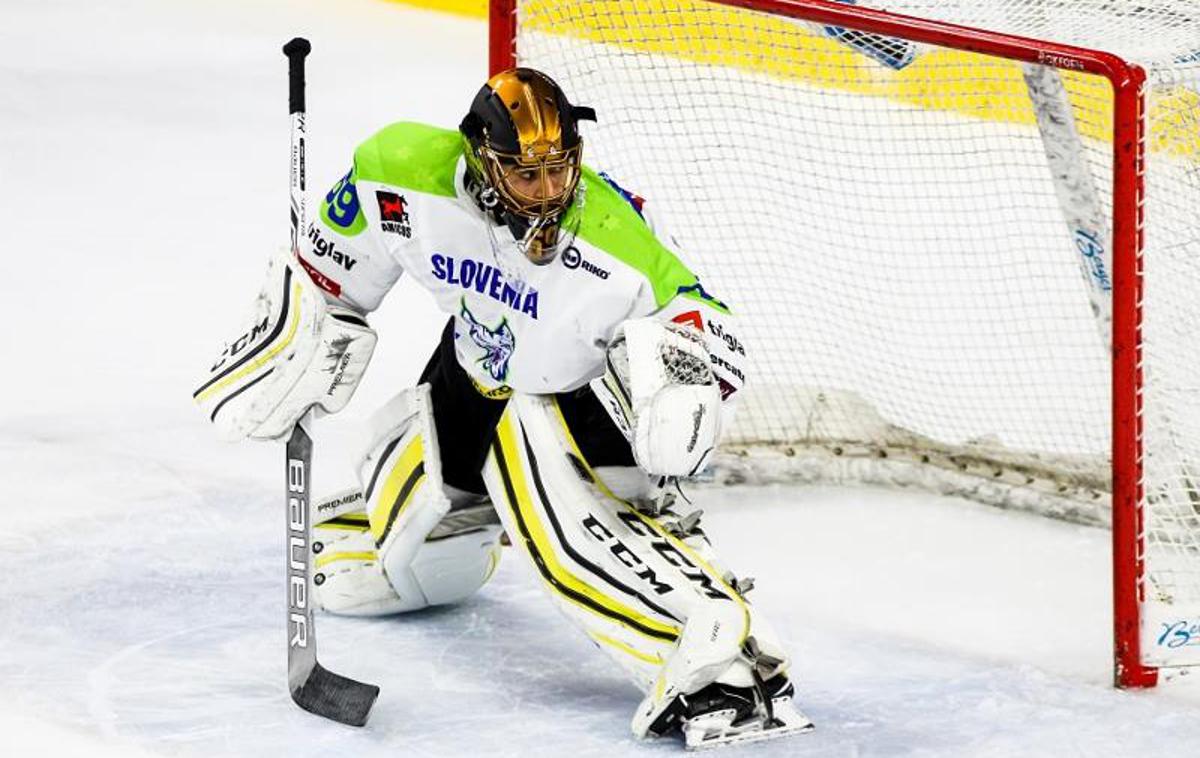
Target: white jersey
column 404, row 208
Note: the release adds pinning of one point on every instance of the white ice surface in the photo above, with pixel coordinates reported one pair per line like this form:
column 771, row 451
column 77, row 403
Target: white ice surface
column 143, row 151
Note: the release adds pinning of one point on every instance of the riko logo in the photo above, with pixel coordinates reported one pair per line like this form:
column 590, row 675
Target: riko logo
column 572, row 258
column 393, row 213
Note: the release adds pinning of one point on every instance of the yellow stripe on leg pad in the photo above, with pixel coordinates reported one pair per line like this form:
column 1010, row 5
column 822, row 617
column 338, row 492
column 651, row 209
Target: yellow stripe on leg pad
column 387, row 508
column 365, row 555
column 674, row 541
column 542, row 547
column 655, row 659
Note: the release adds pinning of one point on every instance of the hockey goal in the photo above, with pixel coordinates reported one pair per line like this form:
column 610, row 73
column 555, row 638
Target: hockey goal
column 962, row 238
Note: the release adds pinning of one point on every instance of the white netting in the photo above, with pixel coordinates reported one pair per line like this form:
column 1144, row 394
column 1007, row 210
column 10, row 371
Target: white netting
column 894, row 246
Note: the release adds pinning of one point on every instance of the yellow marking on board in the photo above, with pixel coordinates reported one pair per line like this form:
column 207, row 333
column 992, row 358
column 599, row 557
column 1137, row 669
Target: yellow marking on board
column 470, row 8
column 771, row 45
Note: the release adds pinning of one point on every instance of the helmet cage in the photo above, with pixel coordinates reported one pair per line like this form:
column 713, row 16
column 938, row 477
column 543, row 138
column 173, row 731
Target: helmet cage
column 538, row 184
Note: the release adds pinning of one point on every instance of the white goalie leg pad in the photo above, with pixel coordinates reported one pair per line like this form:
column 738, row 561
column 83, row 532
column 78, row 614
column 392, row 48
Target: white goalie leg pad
column 349, row 578
column 658, row 388
column 403, row 503
column 347, row 575
column 451, row 569
column 619, row 574
column 298, row 351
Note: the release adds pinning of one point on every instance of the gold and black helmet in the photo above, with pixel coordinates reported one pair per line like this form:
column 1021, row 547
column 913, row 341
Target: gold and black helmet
column 524, row 155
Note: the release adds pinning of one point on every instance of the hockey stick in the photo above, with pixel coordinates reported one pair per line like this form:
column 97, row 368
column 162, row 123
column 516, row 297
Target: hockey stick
column 313, row 687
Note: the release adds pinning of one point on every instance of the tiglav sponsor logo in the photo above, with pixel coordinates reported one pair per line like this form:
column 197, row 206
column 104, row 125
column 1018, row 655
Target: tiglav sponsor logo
column 696, row 321
column 393, row 213
column 572, row 258
column 486, row 280
column 323, row 248
column 732, row 342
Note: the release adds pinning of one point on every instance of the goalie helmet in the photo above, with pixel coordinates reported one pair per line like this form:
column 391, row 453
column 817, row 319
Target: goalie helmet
column 523, row 153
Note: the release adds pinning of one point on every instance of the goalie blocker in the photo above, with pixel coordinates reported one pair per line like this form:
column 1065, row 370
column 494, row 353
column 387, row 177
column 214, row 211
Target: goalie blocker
column 296, row 352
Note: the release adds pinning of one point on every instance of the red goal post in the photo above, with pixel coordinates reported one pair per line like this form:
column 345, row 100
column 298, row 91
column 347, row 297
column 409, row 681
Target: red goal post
column 1125, row 214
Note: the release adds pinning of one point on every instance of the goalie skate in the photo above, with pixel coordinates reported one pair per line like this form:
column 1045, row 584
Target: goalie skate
column 735, row 715
column 720, row 715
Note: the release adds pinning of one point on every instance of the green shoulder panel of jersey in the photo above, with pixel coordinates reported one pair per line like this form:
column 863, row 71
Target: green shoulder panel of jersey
column 610, row 223
column 407, row 155
column 413, row 156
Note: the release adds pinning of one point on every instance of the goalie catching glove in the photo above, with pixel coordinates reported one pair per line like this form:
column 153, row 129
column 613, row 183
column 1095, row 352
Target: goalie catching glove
column 658, row 388
column 298, row 351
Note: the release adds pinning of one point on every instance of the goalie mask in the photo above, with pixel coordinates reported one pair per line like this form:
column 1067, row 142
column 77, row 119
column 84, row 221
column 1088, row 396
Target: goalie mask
column 523, row 153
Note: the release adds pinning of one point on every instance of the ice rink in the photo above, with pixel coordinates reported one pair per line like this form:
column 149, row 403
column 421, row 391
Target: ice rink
column 143, row 152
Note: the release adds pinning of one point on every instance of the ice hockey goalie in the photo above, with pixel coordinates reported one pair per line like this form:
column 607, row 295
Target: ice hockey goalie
column 582, row 371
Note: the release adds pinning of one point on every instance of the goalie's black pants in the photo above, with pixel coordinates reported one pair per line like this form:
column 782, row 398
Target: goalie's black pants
column 466, row 421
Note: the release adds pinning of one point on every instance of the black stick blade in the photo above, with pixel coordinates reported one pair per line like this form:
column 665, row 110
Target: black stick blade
column 335, row 697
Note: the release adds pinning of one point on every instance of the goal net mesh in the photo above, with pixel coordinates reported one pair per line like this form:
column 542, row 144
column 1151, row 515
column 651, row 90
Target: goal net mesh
column 890, row 235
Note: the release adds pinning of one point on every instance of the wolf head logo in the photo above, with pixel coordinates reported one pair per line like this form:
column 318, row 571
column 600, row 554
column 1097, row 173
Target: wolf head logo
column 497, row 343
